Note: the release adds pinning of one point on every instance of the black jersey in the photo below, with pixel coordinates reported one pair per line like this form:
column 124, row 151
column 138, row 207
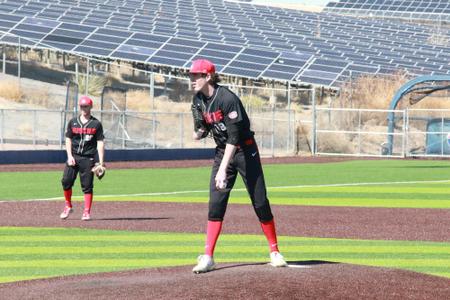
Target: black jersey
column 84, row 136
column 225, row 117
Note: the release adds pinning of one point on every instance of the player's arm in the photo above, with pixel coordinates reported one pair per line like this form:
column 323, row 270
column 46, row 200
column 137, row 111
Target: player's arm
column 200, row 128
column 70, row 158
column 230, row 149
column 221, row 176
column 101, row 151
column 100, row 137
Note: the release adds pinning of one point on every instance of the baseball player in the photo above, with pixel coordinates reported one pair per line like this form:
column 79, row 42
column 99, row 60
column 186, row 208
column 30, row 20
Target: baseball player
column 84, row 138
column 219, row 112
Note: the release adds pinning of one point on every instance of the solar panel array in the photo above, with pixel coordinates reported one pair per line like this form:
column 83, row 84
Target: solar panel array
column 244, row 40
column 435, row 10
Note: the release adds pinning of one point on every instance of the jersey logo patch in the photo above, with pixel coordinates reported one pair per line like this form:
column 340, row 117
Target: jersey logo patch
column 233, row 115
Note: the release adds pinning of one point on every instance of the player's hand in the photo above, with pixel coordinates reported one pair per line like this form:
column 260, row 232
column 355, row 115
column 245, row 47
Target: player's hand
column 99, row 170
column 221, row 180
column 198, row 134
column 71, row 161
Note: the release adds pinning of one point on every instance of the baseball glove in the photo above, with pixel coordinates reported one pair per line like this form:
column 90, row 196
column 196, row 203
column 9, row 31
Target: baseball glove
column 99, row 170
column 199, row 123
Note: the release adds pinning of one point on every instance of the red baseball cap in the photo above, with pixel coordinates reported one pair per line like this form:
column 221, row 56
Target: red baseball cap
column 85, row 101
column 202, row 66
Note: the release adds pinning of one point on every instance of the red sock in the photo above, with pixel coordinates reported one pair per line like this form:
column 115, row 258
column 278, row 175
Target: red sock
column 212, row 234
column 269, row 231
column 87, row 202
column 68, row 197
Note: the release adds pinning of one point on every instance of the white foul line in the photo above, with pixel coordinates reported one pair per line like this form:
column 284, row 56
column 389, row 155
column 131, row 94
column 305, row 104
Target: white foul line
column 243, row 189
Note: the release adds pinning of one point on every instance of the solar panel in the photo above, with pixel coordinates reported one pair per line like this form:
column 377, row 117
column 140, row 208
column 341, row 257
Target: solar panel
column 260, row 41
column 92, row 51
column 241, row 72
column 161, row 60
column 417, row 9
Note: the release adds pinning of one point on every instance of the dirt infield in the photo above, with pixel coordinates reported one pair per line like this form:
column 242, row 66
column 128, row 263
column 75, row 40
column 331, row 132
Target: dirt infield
column 304, row 280
column 312, row 221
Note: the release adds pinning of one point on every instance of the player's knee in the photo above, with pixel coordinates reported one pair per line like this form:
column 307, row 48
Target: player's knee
column 87, row 189
column 66, row 183
column 264, row 213
column 215, row 216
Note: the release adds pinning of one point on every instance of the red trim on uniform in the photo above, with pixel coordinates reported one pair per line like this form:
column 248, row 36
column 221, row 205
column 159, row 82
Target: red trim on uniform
column 213, row 117
column 78, row 130
column 88, row 202
column 68, row 197
column 212, row 234
column 249, row 142
column 269, row 231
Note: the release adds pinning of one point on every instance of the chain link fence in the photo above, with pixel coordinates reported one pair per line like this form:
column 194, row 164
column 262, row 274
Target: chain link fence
column 148, row 107
column 365, row 132
column 41, row 129
column 140, row 106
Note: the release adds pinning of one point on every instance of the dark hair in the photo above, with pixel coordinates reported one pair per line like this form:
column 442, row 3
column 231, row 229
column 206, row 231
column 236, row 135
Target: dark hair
column 215, row 78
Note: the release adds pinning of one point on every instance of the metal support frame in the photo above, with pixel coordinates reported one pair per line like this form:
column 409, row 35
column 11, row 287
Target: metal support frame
column 404, row 90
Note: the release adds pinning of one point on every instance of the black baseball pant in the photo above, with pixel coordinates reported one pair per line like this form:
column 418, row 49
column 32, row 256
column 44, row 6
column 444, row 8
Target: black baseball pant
column 247, row 162
column 83, row 165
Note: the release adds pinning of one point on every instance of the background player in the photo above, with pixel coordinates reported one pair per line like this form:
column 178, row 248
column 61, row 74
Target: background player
column 219, row 111
column 84, row 138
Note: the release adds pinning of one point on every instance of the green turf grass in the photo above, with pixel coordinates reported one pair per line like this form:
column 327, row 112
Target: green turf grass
column 412, row 195
column 144, row 181
column 28, row 253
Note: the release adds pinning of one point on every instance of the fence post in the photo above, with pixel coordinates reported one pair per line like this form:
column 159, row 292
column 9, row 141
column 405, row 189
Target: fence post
column 76, row 72
column 289, row 133
column 2, row 125
column 86, row 83
column 19, row 59
column 313, row 131
column 272, row 139
column 4, row 59
column 359, row 132
column 61, row 124
column 152, row 90
column 406, row 134
column 34, row 128
column 181, row 130
column 154, row 130
column 294, row 148
column 442, row 134
column 123, row 129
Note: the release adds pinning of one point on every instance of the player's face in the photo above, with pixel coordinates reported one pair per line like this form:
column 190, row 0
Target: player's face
column 199, row 81
column 85, row 110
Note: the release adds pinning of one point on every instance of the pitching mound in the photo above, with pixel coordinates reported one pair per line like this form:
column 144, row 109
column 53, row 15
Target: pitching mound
column 313, row 279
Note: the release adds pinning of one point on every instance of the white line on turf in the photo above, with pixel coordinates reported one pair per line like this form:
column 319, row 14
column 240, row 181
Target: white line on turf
column 242, row 189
